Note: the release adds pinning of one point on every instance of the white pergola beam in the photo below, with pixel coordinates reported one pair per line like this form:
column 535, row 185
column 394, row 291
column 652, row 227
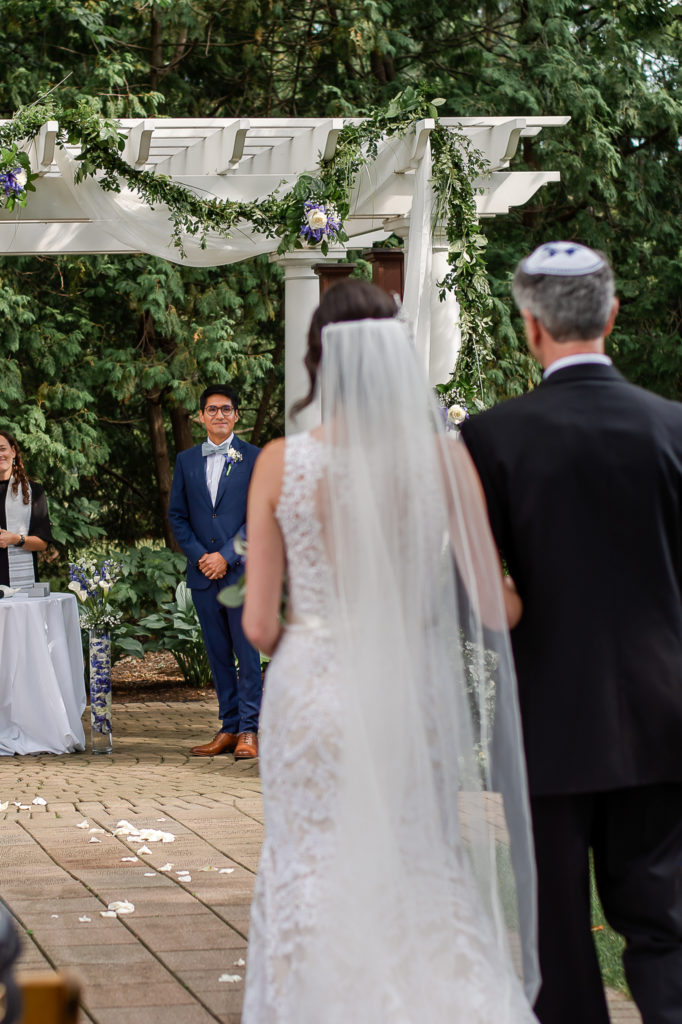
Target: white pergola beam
column 209, row 152
column 41, row 150
column 138, row 143
column 296, row 151
column 513, row 188
column 244, row 159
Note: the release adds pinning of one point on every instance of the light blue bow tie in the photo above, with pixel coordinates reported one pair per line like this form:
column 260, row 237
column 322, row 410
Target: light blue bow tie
column 215, row 449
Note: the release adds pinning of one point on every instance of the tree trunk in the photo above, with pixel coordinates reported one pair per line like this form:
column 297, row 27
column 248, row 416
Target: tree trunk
column 266, row 393
column 182, row 428
column 156, row 50
column 157, row 435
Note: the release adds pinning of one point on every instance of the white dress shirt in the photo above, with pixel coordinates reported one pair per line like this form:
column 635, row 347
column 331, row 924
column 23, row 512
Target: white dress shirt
column 215, row 464
column 576, row 360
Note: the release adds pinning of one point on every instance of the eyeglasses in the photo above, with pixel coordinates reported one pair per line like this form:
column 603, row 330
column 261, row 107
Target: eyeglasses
column 213, row 410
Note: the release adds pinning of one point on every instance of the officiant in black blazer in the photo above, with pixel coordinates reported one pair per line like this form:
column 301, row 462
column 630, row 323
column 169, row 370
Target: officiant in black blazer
column 583, row 478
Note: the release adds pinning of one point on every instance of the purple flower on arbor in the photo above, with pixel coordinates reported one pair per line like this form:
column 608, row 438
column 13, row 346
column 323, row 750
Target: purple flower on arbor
column 14, row 182
column 320, row 223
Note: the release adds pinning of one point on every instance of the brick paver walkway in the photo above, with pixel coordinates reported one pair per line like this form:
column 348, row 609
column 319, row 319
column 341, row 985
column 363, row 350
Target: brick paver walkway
column 178, row 958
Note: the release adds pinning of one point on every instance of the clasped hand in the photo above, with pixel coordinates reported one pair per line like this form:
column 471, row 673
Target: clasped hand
column 212, row 565
column 7, row 539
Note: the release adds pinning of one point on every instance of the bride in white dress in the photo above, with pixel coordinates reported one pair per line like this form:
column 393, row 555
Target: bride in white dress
column 390, row 749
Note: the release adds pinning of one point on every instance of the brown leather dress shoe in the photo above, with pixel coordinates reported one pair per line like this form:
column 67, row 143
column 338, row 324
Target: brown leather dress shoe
column 247, row 746
column 222, row 743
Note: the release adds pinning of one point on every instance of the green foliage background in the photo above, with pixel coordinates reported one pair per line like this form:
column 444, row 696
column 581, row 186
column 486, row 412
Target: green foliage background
column 104, row 357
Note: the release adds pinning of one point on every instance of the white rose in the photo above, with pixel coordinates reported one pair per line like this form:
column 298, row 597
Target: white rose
column 317, row 219
column 457, row 414
column 20, row 176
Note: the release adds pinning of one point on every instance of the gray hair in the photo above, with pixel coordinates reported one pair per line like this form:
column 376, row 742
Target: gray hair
column 569, row 308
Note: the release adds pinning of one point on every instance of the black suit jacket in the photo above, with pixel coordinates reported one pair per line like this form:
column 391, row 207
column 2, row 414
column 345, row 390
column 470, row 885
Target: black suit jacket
column 583, row 479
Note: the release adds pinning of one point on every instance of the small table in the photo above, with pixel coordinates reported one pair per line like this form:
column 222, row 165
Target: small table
column 42, row 683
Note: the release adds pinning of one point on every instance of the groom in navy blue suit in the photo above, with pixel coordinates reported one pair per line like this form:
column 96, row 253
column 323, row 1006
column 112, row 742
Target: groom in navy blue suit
column 208, row 512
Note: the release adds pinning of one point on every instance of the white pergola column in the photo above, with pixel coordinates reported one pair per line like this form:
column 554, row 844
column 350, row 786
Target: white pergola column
column 435, row 323
column 301, row 299
column 446, row 337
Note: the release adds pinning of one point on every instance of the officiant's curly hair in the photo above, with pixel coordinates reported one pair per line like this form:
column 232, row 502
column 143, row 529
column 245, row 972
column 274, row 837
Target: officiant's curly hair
column 18, row 471
column 350, row 299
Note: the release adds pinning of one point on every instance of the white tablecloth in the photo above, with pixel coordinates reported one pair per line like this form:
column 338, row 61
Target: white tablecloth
column 42, row 685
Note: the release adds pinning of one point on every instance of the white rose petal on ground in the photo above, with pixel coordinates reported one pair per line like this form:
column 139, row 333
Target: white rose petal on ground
column 143, row 835
column 4, row 804
column 239, row 963
column 121, row 907
column 54, row 915
column 144, row 849
column 150, row 874
column 83, row 824
column 133, row 860
column 99, row 831
column 166, row 867
column 161, row 819
column 230, row 977
column 108, row 913
column 209, row 867
column 84, row 919
column 124, row 828
column 39, row 801
column 92, row 839
column 226, row 871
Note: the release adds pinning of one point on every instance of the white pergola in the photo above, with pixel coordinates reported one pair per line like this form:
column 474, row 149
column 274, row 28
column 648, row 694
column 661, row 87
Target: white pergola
column 248, row 158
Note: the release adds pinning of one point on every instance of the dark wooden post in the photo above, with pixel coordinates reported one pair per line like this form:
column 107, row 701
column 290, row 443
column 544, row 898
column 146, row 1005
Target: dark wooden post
column 329, row 273
column 387, row 269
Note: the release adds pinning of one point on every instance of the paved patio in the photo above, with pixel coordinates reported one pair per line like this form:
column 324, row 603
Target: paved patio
column 178, row 958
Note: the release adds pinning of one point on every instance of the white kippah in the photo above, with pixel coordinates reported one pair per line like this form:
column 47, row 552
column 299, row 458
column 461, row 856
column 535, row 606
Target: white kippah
column 563, row 259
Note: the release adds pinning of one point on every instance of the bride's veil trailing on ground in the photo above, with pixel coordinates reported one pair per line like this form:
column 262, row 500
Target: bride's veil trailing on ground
column 433, row 781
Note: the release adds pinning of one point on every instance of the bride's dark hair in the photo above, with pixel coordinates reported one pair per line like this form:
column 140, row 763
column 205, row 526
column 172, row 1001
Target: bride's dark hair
column 18, row 471
column 351, row 299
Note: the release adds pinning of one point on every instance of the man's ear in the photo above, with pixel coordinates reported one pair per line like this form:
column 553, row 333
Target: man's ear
column 612, row 317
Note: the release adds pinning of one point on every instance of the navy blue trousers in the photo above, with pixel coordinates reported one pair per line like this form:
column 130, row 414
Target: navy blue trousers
column 239, row 687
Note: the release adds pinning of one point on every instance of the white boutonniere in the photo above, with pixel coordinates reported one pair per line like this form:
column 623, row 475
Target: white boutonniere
column 231, row 456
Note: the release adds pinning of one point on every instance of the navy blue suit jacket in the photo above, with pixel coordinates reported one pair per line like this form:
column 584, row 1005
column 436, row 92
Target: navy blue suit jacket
column 199, row 527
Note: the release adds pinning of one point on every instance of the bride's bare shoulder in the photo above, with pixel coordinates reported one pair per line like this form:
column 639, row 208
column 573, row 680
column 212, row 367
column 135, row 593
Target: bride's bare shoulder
column 267, row 473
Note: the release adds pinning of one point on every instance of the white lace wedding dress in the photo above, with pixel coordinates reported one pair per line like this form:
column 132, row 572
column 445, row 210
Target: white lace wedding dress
column 438, row 965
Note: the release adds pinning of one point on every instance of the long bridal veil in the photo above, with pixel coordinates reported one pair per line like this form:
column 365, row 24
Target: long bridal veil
column 430, row 896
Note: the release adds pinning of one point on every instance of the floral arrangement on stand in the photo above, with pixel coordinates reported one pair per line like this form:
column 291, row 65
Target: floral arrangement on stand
column 92, row 584
column 313, row 211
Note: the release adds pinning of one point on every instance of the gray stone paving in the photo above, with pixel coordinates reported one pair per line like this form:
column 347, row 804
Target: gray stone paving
column 166, row 962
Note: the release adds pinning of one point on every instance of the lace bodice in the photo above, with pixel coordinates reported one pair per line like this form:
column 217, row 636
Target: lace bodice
column 307, row 566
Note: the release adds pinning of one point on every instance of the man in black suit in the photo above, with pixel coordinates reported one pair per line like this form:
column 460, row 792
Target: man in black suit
column 583, row 478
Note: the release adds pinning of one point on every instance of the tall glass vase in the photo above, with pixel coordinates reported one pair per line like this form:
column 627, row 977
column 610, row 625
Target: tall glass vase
column 100, row 691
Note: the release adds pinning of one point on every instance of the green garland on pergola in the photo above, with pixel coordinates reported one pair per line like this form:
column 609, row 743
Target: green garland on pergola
column 455, row 165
